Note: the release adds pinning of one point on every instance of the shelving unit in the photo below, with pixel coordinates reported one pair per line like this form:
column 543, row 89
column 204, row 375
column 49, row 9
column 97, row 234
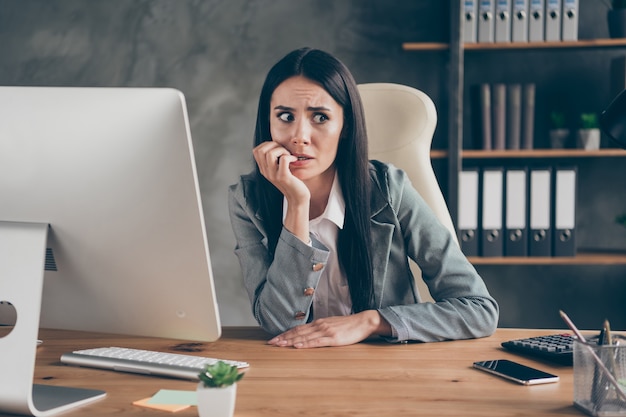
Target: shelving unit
column 455, row 154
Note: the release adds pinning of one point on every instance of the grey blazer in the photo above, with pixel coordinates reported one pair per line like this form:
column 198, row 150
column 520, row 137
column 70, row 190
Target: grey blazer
column 402, row 227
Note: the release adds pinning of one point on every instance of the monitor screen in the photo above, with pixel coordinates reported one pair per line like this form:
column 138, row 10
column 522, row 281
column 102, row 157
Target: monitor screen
column 112, row 172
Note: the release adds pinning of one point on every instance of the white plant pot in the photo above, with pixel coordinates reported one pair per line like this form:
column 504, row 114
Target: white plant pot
column 558, row 138
column 216, row 402
column 589, row 139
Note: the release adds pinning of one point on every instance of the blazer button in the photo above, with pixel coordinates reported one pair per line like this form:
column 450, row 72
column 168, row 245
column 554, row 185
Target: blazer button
column 317, row 267
column 309, row 291
column 300, row 315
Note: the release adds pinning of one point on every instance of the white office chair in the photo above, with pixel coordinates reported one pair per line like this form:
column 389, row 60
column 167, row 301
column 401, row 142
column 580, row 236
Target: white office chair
column 400, row 123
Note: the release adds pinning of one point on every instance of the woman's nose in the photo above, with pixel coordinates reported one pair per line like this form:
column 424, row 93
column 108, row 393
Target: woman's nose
column 302, row 133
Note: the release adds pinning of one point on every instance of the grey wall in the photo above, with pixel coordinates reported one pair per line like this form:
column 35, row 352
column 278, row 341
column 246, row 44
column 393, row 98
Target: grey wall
column 217, row 53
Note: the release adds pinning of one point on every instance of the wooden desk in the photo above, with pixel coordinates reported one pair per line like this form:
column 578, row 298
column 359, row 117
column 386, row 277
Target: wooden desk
column 367, row 379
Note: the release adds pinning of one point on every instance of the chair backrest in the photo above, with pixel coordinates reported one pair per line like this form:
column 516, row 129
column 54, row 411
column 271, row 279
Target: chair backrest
column 400, row 123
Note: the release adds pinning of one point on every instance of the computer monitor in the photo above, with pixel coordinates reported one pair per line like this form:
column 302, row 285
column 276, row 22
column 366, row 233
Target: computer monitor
column 107, row 178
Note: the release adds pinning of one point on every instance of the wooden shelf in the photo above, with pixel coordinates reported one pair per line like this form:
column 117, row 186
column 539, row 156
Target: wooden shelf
column 584, row 43
column 533, row 153
column 582, row 258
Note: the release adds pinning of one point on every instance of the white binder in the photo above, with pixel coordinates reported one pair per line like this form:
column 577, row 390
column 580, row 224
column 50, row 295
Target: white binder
column 536, row 21
column 503, row 21
column 470, row 16
column 468, row 211
column 492, row 243
column 519, row 21
column 540, row 224
column 569, row 31
column 486, row 27
column 564, row 212
column 553, row 20
column 516, row 209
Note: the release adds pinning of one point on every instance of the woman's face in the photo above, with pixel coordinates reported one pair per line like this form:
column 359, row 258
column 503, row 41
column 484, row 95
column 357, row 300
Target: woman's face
column 308, row 122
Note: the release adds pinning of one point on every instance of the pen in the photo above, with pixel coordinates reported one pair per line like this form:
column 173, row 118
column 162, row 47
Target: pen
column 581, row 339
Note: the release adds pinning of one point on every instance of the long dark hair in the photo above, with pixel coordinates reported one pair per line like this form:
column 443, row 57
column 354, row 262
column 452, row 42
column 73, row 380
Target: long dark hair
column 351, row 164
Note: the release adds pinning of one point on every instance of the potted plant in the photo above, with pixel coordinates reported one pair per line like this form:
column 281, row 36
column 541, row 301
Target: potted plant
column 589, row 131
column 616, row 18
column 559, row 133
column 217, row 390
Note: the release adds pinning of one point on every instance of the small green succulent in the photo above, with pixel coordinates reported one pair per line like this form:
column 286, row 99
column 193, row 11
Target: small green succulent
column 589, row 121
column 220, row 374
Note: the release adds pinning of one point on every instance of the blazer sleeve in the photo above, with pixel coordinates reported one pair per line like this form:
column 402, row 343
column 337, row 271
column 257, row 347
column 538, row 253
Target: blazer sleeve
column 276, row 287
column 463, row 307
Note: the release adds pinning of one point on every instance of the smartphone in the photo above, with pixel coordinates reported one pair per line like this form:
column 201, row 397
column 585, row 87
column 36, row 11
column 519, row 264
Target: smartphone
column 517, row 372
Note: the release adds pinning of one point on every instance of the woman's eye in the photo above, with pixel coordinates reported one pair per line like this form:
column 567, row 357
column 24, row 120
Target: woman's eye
column 286, row 117
column 320, row 118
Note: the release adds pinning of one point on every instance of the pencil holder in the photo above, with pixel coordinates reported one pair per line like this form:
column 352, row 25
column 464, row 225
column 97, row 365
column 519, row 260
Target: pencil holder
column 600, row 381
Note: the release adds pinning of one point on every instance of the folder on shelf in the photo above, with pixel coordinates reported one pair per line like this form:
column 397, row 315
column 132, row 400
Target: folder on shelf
column 468, row 211
column 513, row 115
column 553, row 20
column 470, row 16
column 503, row 21
column 536, row 21
column 564, row 239
column 569, row 29
column 492, row 243
column 485, row 116
column 486, row 21
column 528, row 116
column 540, row 202
column 498, row 95
column 519, row 21
column 516, row 210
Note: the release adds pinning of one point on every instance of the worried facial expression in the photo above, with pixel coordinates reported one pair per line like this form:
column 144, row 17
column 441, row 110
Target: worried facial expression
column 308, row 122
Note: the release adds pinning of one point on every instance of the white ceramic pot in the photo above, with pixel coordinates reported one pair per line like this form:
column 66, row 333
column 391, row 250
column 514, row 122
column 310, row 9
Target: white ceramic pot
column 216, row 402
column 589, row 139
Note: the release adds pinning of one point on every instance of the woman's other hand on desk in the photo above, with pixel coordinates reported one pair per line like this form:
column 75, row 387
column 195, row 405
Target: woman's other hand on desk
column 334, row 331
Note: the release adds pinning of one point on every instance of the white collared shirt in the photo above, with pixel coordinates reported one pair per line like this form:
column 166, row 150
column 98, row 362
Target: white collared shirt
column 332, row 295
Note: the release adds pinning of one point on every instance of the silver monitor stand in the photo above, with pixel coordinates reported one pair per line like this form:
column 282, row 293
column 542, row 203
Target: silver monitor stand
column 22, row 257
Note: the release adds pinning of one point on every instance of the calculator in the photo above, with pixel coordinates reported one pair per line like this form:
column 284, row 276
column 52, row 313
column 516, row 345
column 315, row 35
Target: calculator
column 558, row 348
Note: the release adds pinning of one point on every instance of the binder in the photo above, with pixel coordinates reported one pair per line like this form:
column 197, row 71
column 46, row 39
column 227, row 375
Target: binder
column 503, row 21
column 540, row 202
column 468, row 211
column 536, row 21
column 486, row 26
column 564, row 239
column 516, row 210
column 470, row 16
column 485, row 116
column 553, row 20
column 492, row 243
column 513, row 115
column 569, row 30
column 519, row 21
column 499, row 116
column 528, row 116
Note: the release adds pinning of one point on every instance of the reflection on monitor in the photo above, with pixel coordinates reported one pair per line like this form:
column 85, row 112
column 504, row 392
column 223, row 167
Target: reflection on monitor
column 107, row 176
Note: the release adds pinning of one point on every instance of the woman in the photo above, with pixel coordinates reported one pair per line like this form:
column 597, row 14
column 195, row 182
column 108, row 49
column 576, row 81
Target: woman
column 323, row 235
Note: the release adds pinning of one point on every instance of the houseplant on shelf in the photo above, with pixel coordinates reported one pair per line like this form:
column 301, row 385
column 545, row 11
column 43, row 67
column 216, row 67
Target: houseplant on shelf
column 589, row 132
column 559, row 133
column 616, row 18
column 217, row 390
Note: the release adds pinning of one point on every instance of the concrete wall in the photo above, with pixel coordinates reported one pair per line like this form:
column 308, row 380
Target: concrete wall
column 218, row 51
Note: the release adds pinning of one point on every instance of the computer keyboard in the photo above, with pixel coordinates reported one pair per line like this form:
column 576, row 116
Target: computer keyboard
column 558, row 348
column 140, row 361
